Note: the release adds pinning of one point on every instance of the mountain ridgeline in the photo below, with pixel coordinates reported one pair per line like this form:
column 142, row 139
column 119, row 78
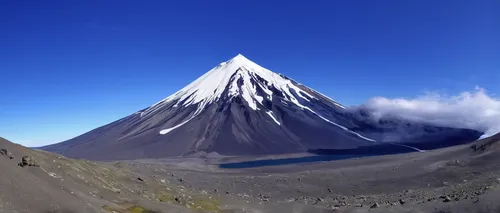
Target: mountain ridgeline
column 240, row 108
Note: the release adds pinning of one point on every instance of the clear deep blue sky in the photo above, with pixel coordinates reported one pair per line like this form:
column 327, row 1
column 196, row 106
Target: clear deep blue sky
column 70, row 66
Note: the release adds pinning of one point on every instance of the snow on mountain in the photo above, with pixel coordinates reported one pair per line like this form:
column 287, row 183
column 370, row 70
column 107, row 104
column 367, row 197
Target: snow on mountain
column 211, row 86
column 239, row 76
column 236, row 108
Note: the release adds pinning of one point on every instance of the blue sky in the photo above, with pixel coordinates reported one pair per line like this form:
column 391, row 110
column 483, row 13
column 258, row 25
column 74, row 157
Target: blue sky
column 70, row 66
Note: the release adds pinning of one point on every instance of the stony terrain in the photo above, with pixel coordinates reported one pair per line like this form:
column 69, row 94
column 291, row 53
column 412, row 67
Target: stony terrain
column 463, row 178
column 455, row 179
column 52, row 183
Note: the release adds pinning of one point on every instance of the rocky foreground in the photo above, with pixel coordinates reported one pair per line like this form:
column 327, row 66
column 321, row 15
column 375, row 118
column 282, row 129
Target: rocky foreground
column 456, row 179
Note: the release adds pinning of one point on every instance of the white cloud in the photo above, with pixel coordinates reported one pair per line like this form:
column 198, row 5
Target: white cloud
column 475, row 110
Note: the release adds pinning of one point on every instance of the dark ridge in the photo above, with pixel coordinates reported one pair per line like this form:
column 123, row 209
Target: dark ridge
column 247, row 117
column 220, row 108
column 281, row 111
column 184, row 101
column 285, row 77
column 276, row 92
column 303, row 94
column 240, row 83
column 237, row 100
column 300, row 100
column 260, row 79
column 259, row 91
column 268, row 104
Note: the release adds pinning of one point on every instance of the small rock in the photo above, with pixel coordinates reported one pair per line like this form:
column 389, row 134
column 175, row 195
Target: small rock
column 401, row 201
column 447, row 199
column 375, row 205
column 54, row 175
column 474, row 147
column 140, row 179
column 329, row 190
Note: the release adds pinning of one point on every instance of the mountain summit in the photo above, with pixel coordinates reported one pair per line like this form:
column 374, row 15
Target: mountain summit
column 240, row 79
column 236, row 108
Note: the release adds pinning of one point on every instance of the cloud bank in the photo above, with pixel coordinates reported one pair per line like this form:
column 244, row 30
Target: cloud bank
column 474, row 110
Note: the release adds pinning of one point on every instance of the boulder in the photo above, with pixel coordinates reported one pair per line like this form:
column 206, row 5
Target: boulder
column 374, row 205
column 446, row 198
column 28, row 161
column 6, row 153
column 401, row 201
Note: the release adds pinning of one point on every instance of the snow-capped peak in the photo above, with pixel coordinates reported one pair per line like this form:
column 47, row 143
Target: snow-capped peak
column 242, row 77
column 239, row 57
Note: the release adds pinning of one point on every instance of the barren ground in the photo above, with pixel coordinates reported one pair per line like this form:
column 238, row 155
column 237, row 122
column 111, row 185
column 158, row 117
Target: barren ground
column 454, row 179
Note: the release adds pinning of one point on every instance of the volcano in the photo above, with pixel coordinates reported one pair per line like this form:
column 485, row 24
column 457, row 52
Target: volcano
column 240, row 108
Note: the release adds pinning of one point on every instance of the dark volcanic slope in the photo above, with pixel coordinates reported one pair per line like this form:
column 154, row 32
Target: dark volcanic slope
column 241, row 108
